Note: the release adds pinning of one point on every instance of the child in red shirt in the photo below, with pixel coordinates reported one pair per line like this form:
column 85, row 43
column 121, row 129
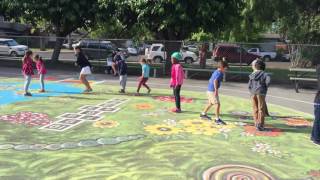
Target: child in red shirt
column 27, row 70
column 42, row 71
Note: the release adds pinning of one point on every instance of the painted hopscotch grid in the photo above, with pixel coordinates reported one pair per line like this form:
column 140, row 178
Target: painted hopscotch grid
column 87, row 113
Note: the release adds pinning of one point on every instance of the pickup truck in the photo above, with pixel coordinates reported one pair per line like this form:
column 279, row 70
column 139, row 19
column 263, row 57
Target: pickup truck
column 158, row 54
column 266, row 56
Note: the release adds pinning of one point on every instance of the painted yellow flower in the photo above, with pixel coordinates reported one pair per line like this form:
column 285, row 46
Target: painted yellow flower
column 105, row 124
column 144, row 106
column 162, row 129
column 195, row 122
column 198, row 130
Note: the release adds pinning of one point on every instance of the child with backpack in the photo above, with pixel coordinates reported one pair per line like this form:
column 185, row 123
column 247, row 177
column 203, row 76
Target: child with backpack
column 42, row 71
column 177, row 76
column 27, row 70
column 258, row 86
column 145, row 76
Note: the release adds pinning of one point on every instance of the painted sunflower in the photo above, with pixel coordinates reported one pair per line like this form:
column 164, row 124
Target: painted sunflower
column 198, row 130
column 195, row 122
column 162, row 129
column 143, row 106
column 105, row 124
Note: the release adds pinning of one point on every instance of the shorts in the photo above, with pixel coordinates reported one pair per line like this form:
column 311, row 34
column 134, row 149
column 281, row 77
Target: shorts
column 85, row 70
column 212, row 98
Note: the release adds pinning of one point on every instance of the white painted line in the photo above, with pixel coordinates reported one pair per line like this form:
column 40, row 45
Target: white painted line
column 67, row 79
column 99, row 82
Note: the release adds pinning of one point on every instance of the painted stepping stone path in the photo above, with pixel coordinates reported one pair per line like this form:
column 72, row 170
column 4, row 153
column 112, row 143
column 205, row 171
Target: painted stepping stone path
column 86, row 113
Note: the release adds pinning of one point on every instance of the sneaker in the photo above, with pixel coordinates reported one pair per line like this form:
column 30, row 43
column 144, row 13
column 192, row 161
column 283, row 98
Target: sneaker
column 27, row 94
column 205, row 116
column 316, row 142
column 149, row 91
column 176, row 110
column 260, row 128
column 122, row 91
column 220, row 122
column 42, row 91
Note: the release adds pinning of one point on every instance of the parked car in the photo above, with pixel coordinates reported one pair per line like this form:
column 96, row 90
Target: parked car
column 192, row 48
column 10, row 47
column 132, row 51
column 233, row 54
column 98, row 50
column 266, row 56
column 158, row 54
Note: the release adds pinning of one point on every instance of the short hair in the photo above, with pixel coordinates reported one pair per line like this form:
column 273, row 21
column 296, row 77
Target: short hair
column 260, row 65
column 223, row 63
column 78, row 47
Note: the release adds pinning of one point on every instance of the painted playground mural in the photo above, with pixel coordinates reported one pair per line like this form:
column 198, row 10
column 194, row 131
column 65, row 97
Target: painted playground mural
column 64, row 134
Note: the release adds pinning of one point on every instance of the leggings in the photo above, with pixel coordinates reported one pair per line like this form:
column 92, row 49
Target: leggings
column 42, row 81
column 176, row 93
column 27, row 83
column 142, row 82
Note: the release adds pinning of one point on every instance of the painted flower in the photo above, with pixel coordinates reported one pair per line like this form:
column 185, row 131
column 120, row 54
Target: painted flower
column 195, row 122
column 296, row 122
column 27, row 118
column 202, row 130
column 105, row 124
column 162, row 129
column 172, row 99
column 265, row 148
column 143, row 106
column 314, row 173
column 270, row 131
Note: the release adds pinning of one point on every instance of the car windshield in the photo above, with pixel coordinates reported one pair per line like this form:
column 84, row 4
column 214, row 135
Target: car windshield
column 12, row 43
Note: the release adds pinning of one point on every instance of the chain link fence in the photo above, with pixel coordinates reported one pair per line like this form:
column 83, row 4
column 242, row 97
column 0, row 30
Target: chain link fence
column 286, row 63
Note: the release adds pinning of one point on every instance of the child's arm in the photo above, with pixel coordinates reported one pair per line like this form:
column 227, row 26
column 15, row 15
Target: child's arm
column 216, row 89
column 268, row 80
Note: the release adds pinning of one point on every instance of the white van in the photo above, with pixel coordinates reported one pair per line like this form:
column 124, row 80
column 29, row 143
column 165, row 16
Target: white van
column 10, row 47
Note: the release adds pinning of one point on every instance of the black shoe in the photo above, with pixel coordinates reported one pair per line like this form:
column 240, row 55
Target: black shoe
column 260, row 128
column 27, row 94
column 204, row 116
column 122, row 91
column 316, row 142
column 220, row 122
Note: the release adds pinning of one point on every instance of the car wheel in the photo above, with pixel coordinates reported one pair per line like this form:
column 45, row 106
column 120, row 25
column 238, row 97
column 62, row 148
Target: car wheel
column 188, row 60
column 158, row 59
column 13, row 54
column 266, row 58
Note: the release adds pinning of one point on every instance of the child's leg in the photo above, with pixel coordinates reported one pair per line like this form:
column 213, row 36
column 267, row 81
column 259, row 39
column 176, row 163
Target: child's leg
column 177, row 96
column 255, row 109
column 123, row 82
column 217, row 111
column 145, row 83
column 27, row 83
column 84, row 80
column 42, row 81
column 261, row 109
column 141, row 81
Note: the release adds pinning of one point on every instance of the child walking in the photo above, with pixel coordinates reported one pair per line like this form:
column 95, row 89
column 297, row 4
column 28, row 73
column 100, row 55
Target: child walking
column 315, row 135
column 258, row 87
column 42, row 71
column 85, row 66
column 177, row 76
column 122, row 71
column 145, row 76
column 213, row 92
column 27, row 70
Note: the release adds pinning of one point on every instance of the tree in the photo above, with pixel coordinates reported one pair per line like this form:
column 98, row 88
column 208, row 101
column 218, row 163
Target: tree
column 63, row 16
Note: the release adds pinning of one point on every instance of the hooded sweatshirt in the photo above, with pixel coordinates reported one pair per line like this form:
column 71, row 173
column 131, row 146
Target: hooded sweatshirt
column 258, row 83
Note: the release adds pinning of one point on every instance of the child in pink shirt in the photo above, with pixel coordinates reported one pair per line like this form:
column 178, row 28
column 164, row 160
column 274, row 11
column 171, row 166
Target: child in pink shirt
column 42, row 71
column 177, row 76
column 27, row 70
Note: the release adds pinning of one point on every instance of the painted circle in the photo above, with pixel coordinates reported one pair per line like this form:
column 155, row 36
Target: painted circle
column 236, row 172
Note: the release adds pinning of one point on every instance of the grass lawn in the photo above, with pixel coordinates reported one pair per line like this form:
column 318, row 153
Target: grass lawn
column 141, row 139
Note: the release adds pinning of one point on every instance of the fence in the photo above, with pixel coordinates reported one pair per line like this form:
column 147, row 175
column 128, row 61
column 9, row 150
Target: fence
column 286, row 63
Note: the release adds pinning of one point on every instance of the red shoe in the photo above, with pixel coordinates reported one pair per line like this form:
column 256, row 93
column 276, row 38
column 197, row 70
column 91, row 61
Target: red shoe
column 176, row 110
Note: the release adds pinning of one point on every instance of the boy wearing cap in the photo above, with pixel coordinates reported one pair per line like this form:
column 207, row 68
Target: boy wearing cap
column 258, row 87
column 177, row 76
column 213, row 92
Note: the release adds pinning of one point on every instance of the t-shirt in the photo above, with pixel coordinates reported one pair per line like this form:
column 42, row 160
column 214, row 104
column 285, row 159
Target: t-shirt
column 146, row 70
column 216, row 75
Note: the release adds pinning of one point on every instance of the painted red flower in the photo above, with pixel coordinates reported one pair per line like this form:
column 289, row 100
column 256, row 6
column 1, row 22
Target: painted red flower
column 172, row 99
column 27, row 118
column 314, row 173
column 269, row 131
column 297, row 122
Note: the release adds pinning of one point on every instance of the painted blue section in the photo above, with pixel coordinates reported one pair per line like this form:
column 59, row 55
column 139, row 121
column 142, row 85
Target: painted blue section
column 8, row 91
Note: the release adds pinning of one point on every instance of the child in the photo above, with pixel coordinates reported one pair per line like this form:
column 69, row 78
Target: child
column 122, row 71
column 213, row 92
column 177, row 76
column 85, row 66
column 42, row 71
column 27, row 70
column 109, row 63
column 315, row 136
column 258, row 87
column 145, row 76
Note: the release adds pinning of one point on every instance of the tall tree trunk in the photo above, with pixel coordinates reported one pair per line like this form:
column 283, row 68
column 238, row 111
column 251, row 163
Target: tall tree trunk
column 57, row 49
